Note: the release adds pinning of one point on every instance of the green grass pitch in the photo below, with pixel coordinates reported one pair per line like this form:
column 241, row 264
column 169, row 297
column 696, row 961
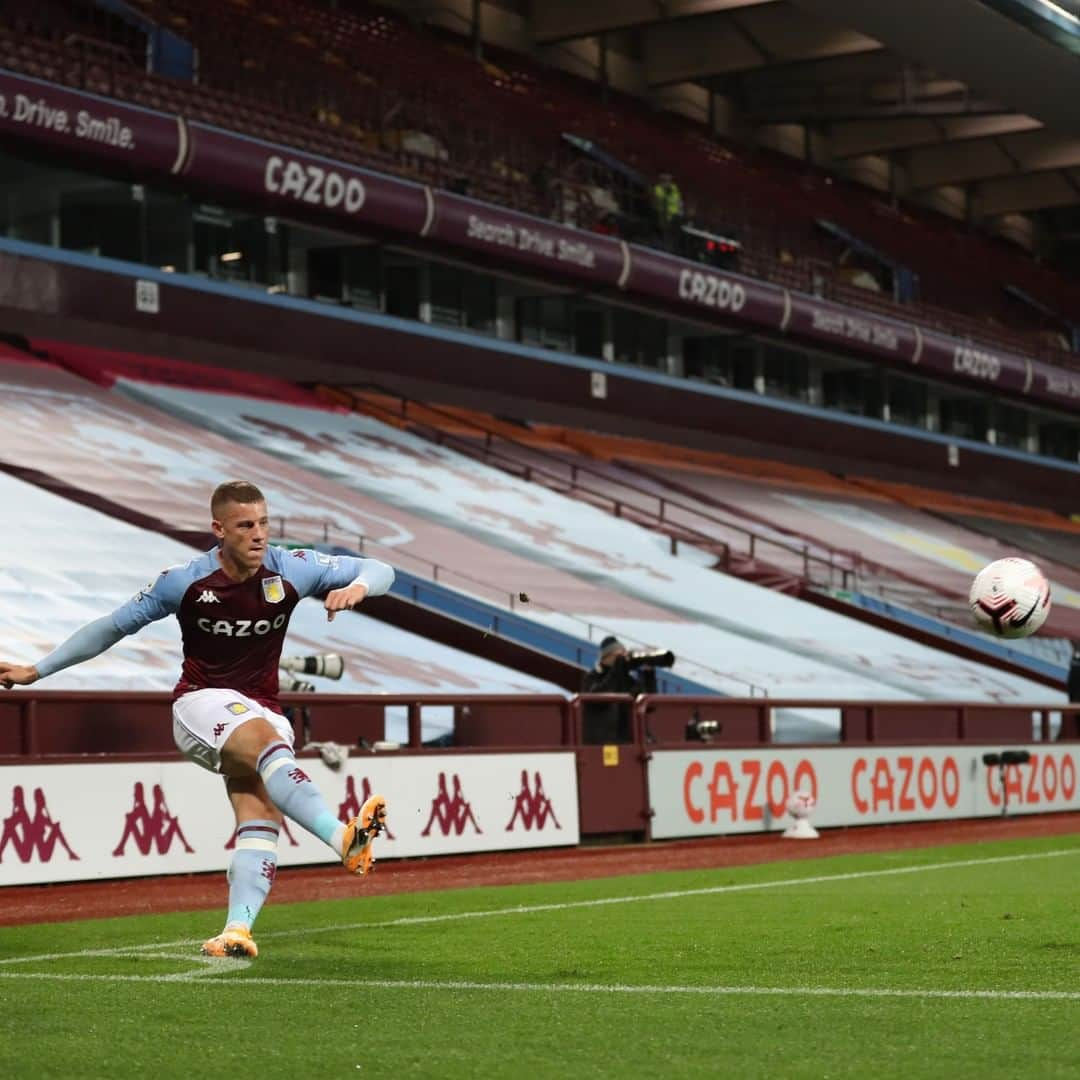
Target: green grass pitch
column 952, row 962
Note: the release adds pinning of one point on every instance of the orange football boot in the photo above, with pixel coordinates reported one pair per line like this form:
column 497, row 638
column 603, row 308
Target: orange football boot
column 233, row 941
column 360, row 833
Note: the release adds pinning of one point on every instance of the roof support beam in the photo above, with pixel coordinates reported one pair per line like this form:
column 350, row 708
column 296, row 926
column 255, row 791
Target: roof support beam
column 857, row 138
column 564, row 20
column 1020, row 194
column 985, row 159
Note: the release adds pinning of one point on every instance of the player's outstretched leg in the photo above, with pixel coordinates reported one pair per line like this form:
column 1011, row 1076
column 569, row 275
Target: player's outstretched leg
column 291, row 790
column 257, row 745
column 251, row 874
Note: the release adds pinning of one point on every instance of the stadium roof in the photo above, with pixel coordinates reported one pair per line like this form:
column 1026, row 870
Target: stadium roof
column 957, row 93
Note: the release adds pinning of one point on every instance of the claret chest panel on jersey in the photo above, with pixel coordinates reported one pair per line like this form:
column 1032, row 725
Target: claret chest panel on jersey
column 221, row 610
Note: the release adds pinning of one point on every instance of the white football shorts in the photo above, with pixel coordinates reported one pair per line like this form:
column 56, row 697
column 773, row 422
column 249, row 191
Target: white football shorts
column 203, row 720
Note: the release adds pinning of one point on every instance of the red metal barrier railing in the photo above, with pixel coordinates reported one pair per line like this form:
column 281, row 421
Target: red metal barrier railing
column 49, row 723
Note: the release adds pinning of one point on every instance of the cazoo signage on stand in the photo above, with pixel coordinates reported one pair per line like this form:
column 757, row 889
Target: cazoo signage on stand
column 701, row 792
column 100, row 820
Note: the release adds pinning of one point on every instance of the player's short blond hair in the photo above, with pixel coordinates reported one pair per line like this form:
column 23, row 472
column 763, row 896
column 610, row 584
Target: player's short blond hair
column 233, row 491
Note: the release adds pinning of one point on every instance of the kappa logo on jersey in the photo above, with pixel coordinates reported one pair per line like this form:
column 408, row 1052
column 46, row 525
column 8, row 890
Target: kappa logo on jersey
column 27, row 834
column 300, row 553
column 451, row 812
column 149, row 828
column 273, row 589
column 143, row 593
column 208, row 596
column 350, row 808
column 533, row 807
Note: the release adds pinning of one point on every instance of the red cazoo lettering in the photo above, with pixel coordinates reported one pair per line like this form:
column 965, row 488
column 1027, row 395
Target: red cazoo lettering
column 904, row 784
column 1048, row 777
column 722, row 789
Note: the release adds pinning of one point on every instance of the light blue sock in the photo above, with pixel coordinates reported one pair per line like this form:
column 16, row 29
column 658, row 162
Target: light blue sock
column 292, row 792
column 252, row 871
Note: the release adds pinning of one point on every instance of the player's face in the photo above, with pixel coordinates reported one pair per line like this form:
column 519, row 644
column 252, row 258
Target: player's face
column 243, row 530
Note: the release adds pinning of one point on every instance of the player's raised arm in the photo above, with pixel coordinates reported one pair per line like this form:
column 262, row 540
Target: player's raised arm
column 154, row 602
column 345, row 580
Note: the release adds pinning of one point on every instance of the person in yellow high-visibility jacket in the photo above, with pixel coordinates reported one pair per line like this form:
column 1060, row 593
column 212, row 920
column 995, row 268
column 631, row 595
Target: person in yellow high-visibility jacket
column 667, row 200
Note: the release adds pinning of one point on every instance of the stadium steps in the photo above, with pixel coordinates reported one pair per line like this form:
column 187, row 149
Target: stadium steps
column 880, row 595
column 753, row 548
column 679, row 521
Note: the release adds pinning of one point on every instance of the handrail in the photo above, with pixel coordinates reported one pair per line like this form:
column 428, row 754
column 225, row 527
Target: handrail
column 857, row 557
column 618, row 507
column 26, row 703
column 850, row 576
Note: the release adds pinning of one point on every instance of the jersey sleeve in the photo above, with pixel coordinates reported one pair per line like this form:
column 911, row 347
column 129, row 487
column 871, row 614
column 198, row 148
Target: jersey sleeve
column 314, row 573
column 87, row 642
column 159, row 599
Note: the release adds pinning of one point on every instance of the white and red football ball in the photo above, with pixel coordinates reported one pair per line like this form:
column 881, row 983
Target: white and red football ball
column 801, row 804
column 1010, row 598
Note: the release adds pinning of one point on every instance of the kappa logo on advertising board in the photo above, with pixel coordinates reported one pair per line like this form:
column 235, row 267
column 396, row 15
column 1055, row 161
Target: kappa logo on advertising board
column 28, row 835
column 350, row 808
column 451, row 812
column 533, row 807
column 1044, row 779
column 151, row 827
column 746, row 798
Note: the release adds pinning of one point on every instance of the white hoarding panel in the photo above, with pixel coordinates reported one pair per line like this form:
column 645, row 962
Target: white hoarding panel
column 709, row 792
column 82, row 821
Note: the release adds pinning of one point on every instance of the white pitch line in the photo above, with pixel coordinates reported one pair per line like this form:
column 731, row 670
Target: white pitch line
column 574, row 988
column 568, row 905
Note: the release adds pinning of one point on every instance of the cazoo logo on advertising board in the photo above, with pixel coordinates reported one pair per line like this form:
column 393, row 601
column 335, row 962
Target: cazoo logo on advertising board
column 712, row 291
column 1044, row 782
column 311, row 183
column 697, row 792
column 976, row 363
column 743, row 790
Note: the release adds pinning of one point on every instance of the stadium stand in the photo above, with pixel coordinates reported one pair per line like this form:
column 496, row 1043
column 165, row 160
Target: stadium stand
column 545, row 539
column 791, row 528
column 358, row 82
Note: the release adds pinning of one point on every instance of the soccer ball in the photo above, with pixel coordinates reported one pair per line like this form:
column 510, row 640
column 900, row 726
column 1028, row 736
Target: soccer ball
column 1010, row 598
column 800, row 804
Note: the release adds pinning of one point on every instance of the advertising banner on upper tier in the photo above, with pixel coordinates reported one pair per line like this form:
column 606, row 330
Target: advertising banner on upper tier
column 85, row 124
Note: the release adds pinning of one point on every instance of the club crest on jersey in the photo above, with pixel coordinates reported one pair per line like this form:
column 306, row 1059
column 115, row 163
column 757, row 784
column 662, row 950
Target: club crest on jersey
column 273, row 589
column 237, row 708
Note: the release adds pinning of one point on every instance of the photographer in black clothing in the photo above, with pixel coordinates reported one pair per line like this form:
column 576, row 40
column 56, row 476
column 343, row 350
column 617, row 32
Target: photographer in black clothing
column 617, row 671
